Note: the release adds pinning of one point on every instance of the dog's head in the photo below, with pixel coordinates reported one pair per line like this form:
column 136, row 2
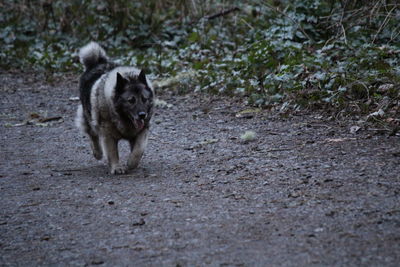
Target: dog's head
column 134, row 99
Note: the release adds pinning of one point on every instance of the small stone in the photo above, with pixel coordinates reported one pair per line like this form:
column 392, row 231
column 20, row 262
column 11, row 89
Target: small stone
column 45, row 238
column 140, row 222
column 354, row 129
column 319, row 229
column 97, row 262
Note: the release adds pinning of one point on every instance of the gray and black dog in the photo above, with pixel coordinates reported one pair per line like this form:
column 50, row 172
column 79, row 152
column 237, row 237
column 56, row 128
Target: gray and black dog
column 116, row 103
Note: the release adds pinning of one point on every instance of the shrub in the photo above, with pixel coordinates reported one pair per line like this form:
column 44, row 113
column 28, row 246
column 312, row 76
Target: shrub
column 322, row 53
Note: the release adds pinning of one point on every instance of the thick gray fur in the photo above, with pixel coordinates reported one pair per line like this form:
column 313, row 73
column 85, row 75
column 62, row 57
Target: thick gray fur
column 116, row 103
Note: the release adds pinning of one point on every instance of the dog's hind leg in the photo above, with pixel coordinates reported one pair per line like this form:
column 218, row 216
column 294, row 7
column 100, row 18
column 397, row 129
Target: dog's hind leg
column 96, row 148
column 83, row 124
column 110, row 146
column 137, row 148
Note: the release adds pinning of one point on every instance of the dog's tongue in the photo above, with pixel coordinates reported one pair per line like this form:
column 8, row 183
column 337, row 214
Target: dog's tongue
column 139, row 124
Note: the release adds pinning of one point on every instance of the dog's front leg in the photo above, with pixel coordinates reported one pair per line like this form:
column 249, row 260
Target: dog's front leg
column 110, row 146
column 137, row 148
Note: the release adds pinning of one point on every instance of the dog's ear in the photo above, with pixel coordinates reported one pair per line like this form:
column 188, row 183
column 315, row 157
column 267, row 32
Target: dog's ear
column 119, row 87
column 142, row 77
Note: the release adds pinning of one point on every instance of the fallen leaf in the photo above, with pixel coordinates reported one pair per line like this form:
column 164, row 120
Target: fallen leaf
column 34, row 115
column 336, row 140
column 385, row 87
column 378, row 113
column 73, row 98
column 162, row 104
column 354, row 129
column 25, row 122
column 248, row 136
column 248, row 113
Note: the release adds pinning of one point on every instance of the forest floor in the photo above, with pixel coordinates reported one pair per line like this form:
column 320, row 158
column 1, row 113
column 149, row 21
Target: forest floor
column 306, row 191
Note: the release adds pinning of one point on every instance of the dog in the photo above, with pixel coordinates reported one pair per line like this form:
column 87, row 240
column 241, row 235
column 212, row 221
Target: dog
column 116, row 103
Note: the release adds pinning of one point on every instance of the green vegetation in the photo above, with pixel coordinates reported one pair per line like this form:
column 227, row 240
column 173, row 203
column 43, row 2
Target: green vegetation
column 340, row 55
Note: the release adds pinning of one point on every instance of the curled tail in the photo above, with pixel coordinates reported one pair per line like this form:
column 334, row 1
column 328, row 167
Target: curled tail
column 92, row 54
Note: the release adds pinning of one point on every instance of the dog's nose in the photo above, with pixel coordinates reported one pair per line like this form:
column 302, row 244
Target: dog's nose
column 142, row 115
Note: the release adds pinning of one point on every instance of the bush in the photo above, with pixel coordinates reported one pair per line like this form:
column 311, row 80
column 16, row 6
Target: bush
column 324, row 53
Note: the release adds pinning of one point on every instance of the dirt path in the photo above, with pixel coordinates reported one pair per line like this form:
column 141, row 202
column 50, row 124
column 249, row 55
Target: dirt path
column 304, row 192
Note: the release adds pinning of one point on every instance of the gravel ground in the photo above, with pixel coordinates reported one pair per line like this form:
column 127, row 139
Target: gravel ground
column 304, row 192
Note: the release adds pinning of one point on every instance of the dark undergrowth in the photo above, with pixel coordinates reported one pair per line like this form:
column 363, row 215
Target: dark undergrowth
column 339, row 56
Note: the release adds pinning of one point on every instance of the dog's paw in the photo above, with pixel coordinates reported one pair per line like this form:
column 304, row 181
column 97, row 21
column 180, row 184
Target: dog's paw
column 118, row 169
column 133, row 165
column 98, row 154
column 133, row 162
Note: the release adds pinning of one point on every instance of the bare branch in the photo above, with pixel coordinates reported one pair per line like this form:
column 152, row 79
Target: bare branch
column 222, row 13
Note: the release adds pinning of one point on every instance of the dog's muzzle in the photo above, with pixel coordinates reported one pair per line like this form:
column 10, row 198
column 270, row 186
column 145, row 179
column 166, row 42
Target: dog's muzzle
column 139, row 123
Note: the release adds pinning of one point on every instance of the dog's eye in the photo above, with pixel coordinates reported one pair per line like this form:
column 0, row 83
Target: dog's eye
column 132, row 100
column 144, row 99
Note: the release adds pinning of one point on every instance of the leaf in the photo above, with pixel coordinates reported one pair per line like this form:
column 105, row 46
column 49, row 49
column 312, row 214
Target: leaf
column 194, row 37
column 248, row 113
column 162, row 103
column 378, row 113
column 337, row 140
column 248, row 136
column 354, row 129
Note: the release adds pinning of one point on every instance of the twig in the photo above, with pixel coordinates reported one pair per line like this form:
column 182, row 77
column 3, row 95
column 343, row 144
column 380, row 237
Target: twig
column 222, row 13
column 394, row 34
column 379, row 130
column 341, row 24
column 247, row 24
column 279, row 149
column 385, row 21
column 55, row 118
column 344, row 33
column 71, row 170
